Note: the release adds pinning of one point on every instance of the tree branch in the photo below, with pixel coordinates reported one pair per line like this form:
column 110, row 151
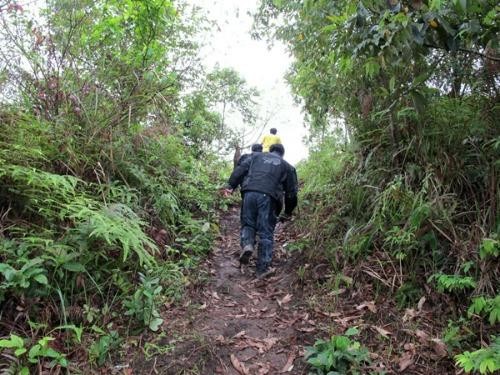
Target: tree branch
column 477, row 53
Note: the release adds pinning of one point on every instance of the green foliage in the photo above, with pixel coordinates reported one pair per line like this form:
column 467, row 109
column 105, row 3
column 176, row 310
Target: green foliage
column 457, row 333
column 408, row 194
column 143, row 303
column 116, row 226
column 101, row 348
column 453, row 283
column 103, row 176
column 15, row 342
column 408, row 294
column 485, row 306
column 485, row 360
column 339, row 355
column 25, row 276
column 42, row 350
column 39, row 351
column 489, row 248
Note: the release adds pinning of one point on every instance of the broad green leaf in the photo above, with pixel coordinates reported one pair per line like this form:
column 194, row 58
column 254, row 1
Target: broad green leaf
column 74, row 267
column 155, row 323
column 351, row 331
column 20, row 351
column 392, row 84
column 435, row 4
column 42, row 279
column 419, row 101
column 420, row 79
column 14, row 342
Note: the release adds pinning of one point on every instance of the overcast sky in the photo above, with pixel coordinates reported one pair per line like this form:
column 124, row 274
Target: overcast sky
column 230, row 45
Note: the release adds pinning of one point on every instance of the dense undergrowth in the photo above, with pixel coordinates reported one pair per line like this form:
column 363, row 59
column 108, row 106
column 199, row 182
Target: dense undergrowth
column 79, row 255
column 403, row 203
column 408, row 236
column 107, row 176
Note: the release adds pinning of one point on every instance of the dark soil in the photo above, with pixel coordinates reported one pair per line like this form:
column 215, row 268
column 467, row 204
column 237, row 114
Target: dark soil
column 235, row 323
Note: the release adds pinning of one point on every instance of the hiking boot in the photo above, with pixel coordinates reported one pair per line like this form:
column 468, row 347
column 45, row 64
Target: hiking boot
column 246, row 253
column 264, row 274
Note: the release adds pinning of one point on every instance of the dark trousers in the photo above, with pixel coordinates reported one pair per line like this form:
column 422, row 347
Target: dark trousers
column 258, row 217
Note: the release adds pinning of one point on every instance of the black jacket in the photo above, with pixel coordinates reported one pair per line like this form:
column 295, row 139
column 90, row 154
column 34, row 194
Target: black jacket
column 267, row 173
column 245, row 157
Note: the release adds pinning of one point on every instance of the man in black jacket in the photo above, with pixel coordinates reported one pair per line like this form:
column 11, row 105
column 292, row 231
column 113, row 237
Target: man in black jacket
column 265, row 178
column 256, row 147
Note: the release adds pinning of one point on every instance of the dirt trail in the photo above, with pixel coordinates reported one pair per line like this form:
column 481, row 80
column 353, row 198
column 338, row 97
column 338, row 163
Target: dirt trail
column 236, row 324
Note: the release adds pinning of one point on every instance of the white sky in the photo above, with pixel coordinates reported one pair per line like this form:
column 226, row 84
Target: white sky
column 230, row 45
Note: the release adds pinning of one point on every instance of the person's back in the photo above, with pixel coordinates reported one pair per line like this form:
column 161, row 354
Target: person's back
column 270, row 139
column 266, row 174
column 264, row 178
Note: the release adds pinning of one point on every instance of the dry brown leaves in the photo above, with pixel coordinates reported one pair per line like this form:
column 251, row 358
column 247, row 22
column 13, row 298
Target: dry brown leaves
column 367, row 305
column 289, row 362
column 327, row 314
column 287, row 298
column 437, row 345
column 238, row 366
column 262, row 345
column 382, row 331
column 407, row 358
column 344, row 322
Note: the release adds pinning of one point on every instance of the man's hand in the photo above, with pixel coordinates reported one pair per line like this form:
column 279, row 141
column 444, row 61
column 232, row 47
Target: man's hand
column 226, row 192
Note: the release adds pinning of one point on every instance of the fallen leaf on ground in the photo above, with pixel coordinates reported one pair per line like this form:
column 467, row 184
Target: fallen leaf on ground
column 409, row 346
column 284, row 300
column 405, row 361
column 420, row 304
column 270, row 341
column 337, row 292
column 409, row 315
column 220, row 339
column 264, row 369
column 238, row 366
column 270, row 315
column 382, row 331
column 306, row 329
column 439, row 347
column 261, row 345
column 239, row 334
column 289, row 362
column 422, row 336
column 328, row 314
column 369, row 305
column 345, row 321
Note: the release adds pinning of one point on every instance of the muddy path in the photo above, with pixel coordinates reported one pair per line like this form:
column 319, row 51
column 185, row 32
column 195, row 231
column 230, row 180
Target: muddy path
column 233, row 323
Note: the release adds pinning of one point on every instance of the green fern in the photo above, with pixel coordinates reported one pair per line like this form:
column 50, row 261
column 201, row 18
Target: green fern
column 453, row 283
column 117, row 226
column 485, row 360
column 486, row 306
column 490, row 247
